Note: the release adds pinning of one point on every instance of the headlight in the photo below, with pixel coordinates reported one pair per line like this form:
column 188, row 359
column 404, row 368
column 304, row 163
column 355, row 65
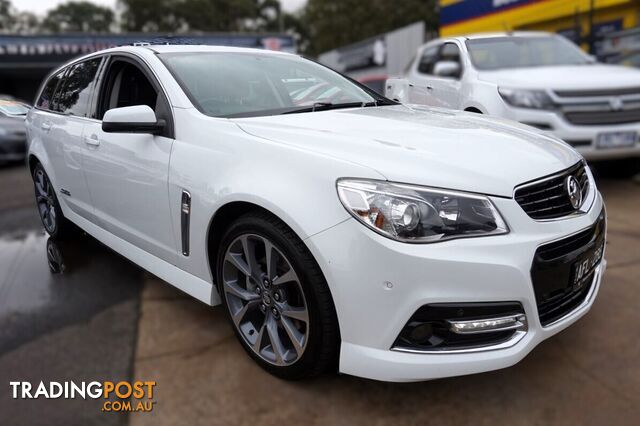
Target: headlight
column 536, row 99
column 419, row 215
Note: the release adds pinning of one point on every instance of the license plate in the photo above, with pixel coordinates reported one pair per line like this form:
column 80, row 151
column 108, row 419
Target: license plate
column 583, row 267
column 616, row 140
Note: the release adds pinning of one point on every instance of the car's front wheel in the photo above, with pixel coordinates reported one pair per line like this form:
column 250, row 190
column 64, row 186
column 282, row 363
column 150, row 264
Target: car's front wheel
column 277, row 298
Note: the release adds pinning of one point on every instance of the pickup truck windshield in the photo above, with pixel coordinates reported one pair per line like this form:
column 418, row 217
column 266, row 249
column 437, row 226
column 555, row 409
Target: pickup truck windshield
column 519, row 52
column 224, row 84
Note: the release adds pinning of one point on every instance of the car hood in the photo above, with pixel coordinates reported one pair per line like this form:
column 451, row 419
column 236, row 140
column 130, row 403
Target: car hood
column 597, row 76
column 425, row 146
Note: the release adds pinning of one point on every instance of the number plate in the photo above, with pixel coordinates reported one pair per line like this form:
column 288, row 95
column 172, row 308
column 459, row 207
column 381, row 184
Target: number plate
column 583, row 267
column 616, row 140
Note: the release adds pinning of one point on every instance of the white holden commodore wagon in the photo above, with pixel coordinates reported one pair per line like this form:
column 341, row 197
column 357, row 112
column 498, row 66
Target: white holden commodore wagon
column 339, row 229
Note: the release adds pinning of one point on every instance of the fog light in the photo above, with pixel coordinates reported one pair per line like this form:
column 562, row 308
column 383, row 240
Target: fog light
column 421, row 333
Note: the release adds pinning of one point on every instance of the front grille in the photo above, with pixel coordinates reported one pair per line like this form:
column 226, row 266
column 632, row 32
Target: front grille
column 597, row 92
column 548, row 197
column 586, row 118
column 552, row 268
column 13, row 147
column 556, row 308
column 578, row 143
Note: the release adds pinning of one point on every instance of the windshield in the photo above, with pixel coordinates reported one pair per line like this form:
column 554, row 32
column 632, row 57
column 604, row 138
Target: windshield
column 518, row 52
column 13, row 108
column 222, row 84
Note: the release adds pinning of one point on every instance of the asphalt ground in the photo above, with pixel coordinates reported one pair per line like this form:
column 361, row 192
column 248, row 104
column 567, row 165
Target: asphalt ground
column 105, row 319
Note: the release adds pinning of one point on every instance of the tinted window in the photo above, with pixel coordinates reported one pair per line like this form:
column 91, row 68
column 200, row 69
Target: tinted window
column 428, row 59
column 75, row 95
column 46, row 97
column 515, row 52
column 127, row 85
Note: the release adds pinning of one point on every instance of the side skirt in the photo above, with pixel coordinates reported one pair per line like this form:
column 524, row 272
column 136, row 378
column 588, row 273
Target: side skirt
column 196, row 287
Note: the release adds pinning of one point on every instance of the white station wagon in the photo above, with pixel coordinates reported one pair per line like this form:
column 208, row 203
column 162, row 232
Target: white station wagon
column 340, row 230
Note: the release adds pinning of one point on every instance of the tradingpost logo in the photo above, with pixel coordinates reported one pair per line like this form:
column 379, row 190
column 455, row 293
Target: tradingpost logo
column 121, row 396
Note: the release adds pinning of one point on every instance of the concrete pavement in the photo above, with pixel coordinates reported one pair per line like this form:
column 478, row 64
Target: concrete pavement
column 589, row 374
column 94, row 323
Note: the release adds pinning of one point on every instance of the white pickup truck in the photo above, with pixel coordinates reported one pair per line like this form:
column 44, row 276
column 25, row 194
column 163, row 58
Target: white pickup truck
column 535, row 78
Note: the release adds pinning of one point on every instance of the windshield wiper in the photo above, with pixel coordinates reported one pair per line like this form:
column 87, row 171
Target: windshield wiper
column 326, row 106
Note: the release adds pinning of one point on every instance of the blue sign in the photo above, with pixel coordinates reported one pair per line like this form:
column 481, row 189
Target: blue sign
column 464, row 10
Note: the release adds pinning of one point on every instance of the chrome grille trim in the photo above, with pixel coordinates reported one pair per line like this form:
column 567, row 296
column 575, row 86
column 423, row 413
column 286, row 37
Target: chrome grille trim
column 546, row 199
column 584, row 107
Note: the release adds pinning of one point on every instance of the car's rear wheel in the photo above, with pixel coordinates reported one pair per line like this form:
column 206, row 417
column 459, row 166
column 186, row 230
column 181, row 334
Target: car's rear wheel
column 49, row 209
column 277, row 299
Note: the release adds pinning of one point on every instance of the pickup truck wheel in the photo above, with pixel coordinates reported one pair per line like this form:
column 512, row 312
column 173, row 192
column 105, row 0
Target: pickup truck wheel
column 276, row 298
column 54, row 222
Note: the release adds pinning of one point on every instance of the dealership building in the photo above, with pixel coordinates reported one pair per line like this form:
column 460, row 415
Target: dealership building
column 579, row 20
column 26, row 60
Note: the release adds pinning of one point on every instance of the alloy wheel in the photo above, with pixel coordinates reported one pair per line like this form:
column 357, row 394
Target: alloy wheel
column 265, row 299
column 45, row 198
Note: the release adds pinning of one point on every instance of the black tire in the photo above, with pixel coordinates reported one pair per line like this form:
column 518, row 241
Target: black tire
column 322, row 345
column 58, row 227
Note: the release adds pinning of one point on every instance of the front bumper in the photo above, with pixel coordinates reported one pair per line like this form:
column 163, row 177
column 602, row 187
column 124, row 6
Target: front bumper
column 582, row 138
column 377, row 284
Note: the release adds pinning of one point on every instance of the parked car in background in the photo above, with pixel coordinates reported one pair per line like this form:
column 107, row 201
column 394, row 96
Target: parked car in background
column 628, row 59
column 13, row 136
column 539, row 79
column 374, row 82
column 338, row 229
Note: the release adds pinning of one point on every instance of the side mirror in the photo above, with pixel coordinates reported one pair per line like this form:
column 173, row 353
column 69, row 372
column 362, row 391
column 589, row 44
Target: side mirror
column 133, row 119
column 397, row 89
column 447, row 69
column 591, row 59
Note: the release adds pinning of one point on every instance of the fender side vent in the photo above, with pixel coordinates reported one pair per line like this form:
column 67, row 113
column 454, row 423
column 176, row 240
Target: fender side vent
column 185, row 216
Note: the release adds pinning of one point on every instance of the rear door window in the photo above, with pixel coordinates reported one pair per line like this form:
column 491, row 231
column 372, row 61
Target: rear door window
column 45, row 101
column 75, row 96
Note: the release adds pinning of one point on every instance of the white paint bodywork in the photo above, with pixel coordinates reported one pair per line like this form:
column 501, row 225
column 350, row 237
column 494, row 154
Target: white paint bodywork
column 132, row 114
column 127, row 193
column 478, row 90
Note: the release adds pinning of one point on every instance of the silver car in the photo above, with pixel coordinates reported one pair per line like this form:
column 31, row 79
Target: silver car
column 13, row 136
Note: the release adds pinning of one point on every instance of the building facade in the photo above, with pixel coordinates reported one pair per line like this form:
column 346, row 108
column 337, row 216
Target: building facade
column 583, row 21
column 26, row 60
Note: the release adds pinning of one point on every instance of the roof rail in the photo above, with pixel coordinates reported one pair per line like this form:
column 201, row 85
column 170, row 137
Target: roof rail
column 140, row 43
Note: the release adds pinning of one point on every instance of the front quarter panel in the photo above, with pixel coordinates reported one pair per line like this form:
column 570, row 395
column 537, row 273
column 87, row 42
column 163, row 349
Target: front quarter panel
column 218, row 163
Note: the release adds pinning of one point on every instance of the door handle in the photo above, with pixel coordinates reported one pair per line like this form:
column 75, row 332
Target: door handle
column 92, row 140
column 429, row 88
column 46, row 126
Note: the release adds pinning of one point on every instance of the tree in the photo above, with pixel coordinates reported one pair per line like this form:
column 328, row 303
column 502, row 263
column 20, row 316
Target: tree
column 218, row 15
column 151, row 15
column 25, row 23
column 201, row 15
column 334, row 23
column 6, row 15
column 79, row 16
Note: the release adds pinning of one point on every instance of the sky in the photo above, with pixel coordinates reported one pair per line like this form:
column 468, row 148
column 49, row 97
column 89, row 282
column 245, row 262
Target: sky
column 39, row 7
